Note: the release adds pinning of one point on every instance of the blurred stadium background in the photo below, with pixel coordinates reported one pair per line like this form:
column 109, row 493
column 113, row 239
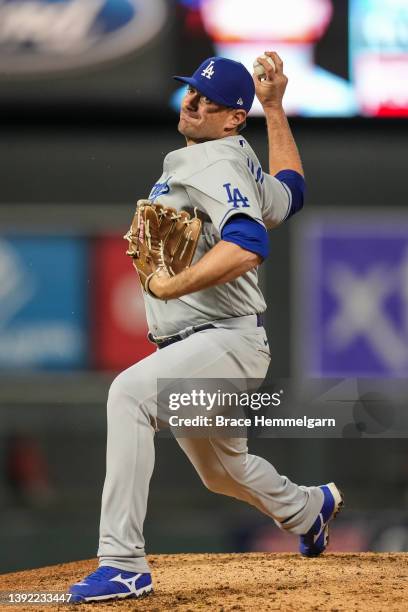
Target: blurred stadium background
column 87, row 112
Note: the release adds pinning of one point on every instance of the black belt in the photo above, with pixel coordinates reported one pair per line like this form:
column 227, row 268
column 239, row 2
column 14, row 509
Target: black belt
column 197, row 328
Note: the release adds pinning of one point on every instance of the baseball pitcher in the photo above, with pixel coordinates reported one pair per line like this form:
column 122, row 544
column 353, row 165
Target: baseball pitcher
column 196, row 243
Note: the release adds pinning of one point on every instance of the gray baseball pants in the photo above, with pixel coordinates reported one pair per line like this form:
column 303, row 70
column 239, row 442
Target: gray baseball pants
column 235, row 350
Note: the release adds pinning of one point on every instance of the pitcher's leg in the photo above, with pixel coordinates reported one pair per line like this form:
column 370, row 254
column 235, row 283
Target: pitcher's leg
column 130, row 454
column 132, row 406
column 225, row 466
column 129, row 466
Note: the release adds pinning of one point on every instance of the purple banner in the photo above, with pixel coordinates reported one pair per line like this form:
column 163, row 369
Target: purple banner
column 355, row 291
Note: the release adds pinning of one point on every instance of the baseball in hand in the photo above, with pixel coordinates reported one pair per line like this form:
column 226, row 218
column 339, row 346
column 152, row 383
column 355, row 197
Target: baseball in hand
column 259, row 69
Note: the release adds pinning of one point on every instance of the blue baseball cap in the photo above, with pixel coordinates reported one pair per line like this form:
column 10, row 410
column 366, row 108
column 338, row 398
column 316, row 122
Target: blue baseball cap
column 223, row 81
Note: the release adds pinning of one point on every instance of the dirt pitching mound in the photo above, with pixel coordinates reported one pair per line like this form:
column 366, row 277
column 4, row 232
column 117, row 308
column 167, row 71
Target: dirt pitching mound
column 231, row 582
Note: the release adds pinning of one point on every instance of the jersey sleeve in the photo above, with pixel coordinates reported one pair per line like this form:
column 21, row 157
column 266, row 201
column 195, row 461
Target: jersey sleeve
column 225, row 189
column 276, row 201
column 283, row 196
column 248, row 234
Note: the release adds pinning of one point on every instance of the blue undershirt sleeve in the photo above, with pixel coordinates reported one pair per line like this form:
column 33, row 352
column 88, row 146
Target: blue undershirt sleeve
column 296, row 183
column 246, row 233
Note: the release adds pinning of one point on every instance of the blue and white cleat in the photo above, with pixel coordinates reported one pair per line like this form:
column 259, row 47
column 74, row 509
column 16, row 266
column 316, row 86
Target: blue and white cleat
column 111, row 583
column 315, row 541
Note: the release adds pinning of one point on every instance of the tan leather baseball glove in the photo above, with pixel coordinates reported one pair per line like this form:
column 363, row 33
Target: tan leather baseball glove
column 161, row 239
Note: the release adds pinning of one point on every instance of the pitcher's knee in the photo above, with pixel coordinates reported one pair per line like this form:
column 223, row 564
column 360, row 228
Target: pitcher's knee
column 118, row 388
column 218, row 481
column 128, row 389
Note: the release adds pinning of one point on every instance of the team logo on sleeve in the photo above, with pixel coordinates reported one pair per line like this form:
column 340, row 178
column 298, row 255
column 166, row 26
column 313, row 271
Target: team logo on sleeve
column 160, row 189
column 235, row 197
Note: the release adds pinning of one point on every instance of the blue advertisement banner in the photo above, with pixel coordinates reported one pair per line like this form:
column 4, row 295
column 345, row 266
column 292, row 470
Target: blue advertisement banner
column 354, row 289
column 43, row 303
column 58, row 35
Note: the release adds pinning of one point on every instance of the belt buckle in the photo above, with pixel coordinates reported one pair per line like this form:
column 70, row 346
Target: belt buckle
column 157, row 341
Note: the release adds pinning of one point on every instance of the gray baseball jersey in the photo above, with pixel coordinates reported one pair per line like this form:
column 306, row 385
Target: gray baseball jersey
column 220, row 178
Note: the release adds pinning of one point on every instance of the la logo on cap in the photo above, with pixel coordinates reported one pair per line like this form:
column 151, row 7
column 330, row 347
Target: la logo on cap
column 240, row 101
column 209, row 71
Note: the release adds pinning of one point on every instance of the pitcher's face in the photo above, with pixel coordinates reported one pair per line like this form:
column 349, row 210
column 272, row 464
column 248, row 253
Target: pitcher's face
column 201, row 119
